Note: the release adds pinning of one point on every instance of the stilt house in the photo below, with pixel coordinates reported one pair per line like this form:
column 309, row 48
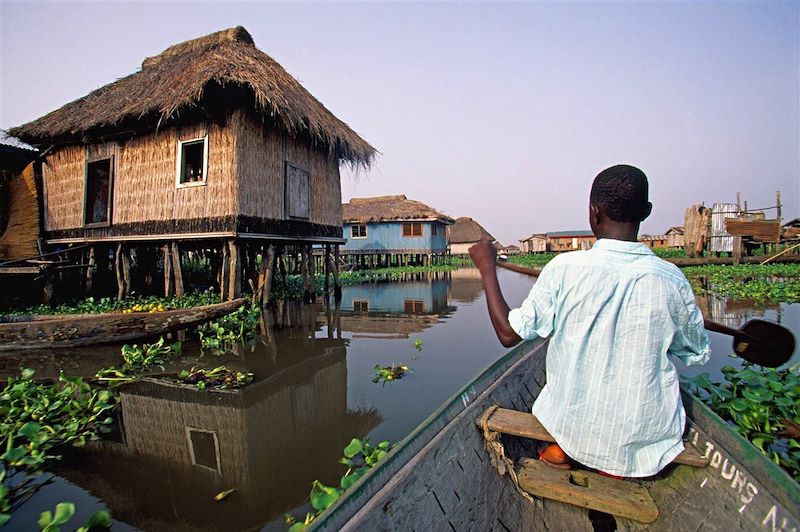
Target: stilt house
column 464, row 234
column 393, row 230
column 212, row 145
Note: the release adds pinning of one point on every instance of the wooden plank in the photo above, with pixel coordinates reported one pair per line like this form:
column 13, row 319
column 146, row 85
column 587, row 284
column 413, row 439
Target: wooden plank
column 526, row 425
column 19, row 270
column 587, row 490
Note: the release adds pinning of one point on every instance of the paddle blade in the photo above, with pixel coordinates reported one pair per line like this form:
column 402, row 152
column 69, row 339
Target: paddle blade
column 764, row 343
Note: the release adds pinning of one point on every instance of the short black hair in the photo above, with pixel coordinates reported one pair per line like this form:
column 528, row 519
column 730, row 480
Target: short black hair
column 622, row 193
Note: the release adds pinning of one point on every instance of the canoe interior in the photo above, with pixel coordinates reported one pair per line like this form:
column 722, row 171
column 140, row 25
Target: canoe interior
column 440, row 477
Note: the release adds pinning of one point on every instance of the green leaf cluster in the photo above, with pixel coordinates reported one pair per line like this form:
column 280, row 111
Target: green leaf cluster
column 219, row 377
column 384, row 374
column 240, row 326
column 137, row 360
column 770, row 282
column 36, row 418
column 762, row 404
column 359, row 457
column 51, row 522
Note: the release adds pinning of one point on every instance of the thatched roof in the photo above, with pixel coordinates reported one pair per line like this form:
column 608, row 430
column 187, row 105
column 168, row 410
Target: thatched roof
column 389, row 208
column 176, row 81
column 467, row 230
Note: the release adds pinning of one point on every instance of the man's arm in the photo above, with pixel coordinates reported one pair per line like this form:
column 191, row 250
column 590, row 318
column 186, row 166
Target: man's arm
column 483, row 255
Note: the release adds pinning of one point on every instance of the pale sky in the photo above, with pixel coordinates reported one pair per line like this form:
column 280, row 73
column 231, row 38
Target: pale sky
column 501, row 112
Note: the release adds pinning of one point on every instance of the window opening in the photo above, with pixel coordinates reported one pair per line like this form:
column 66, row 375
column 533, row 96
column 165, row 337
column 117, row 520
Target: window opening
column 412, row 229
column 98, row 192
column 413, row 306
column 358, row 231
column 204, row 448
column 192, row 162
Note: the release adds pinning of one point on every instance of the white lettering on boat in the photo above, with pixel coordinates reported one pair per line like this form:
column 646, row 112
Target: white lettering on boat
column 465, row 397
column 746, row 490
column 771, row 521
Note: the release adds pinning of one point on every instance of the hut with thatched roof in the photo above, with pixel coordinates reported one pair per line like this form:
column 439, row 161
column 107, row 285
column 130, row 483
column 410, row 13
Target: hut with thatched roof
column 393, row 230
column 464, row 234
column 211, row 145
column 19, row 204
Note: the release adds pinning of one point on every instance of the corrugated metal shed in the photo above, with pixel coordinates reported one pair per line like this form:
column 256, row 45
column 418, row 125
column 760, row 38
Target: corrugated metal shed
column 720, row 239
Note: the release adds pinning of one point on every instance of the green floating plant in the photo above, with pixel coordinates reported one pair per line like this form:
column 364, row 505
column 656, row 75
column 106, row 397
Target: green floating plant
column 762, row 404
column 359, row 457
column 384, row 374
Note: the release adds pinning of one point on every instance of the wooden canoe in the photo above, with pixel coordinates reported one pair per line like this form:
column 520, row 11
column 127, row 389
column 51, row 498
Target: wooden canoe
column 440, row 476
column 70, row 330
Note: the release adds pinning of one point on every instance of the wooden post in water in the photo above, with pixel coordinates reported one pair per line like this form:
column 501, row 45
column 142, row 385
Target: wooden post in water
column 89, row 271
column 235, row 270
column 225, row 272
column 119, row 270
column 176, row 270
column 312, row 280
column 265, row 276
column 327, row 268
column 304, row 272
column 337, row 288
column 167, row 270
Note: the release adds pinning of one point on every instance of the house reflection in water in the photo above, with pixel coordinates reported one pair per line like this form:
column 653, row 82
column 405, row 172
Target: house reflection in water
column 734, row 312
column 466, row 285
column 393, row 310
column 268, row 441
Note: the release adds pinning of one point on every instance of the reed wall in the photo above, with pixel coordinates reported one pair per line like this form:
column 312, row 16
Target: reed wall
column 20, row 235
column 262, row 153
column 62, row 179
column 144, row 187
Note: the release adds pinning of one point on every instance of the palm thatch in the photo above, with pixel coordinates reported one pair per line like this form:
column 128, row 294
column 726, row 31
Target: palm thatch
column 389, row 208
column 466, row 230
column 182, row 80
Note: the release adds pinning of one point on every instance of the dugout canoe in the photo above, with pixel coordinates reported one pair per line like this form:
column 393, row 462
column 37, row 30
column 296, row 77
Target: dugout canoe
column 70, row 330
column 440, row 477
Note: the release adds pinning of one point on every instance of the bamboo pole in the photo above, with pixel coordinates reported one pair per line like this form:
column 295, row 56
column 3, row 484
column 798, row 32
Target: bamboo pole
column 327, row 268
column 312, row 274
column 225, row 268
column 781, row 253
column 176, row 270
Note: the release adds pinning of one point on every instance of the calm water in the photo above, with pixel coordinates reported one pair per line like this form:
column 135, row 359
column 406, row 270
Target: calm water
column 313, row 392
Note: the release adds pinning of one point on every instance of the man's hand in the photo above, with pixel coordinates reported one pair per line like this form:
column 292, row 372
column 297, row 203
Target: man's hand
column 483, row 254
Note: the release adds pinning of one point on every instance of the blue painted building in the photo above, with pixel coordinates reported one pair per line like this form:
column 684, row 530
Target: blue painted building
column 393, row 230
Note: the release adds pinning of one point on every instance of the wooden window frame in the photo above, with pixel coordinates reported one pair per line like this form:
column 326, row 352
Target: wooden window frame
column 179, row 163
column 110, row 206
column 360, row 305
column 411, row 226
column 213, row 433
column 285, row 195
column 413, row 306
column 352, row 231
column 434, row 229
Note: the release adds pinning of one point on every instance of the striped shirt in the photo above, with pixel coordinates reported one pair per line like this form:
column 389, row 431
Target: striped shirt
column 612, row 399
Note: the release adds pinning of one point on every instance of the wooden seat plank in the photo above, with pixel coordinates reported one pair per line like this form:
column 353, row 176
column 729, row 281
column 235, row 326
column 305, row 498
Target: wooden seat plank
column 587, row 490
column 526, row 425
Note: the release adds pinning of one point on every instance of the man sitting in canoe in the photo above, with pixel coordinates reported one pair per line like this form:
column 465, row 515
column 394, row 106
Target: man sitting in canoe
column 616, row 313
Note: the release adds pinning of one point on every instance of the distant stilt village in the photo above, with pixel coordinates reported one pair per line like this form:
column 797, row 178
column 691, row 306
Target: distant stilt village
column 212, row 151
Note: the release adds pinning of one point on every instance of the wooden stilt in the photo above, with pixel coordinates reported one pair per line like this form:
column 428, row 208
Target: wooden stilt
column 312, row 275
column 265, row 275
column 176, row 270
column 737, row 249
column 126, row 272
column 167, row 270
column 225, row 269
column 304, row 273
column 89, row 271
column 337, row 288
column 118, row 272
column 327, row 268
column 235, row 272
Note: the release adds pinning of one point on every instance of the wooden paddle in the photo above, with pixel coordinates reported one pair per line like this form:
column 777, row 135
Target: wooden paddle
column 760, row 342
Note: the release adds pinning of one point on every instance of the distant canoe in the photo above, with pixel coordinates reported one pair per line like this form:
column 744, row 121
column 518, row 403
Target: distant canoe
column 440, row 477
column 72, row 330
